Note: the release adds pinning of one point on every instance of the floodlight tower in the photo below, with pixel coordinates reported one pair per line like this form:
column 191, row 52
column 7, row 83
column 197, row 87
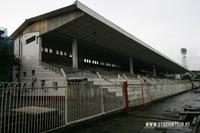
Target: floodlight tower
column 184, row 61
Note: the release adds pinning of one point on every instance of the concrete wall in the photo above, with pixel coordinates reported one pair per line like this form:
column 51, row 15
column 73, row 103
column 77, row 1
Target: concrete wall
column 31, row 51
column 29, row 54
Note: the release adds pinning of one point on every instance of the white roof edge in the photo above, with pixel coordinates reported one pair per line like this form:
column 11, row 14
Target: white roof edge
column 92, row 13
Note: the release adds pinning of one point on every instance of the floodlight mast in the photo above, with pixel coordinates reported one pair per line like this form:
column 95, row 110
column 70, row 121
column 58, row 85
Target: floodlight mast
column 184, row 60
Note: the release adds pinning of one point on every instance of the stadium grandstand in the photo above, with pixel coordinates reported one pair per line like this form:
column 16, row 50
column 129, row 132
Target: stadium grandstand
column 75, row 65
column 84, row 45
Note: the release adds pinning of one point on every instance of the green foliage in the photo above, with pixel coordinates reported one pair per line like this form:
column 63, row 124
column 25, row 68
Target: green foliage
column 186, row 77
column 7, row 59
column 197, row 76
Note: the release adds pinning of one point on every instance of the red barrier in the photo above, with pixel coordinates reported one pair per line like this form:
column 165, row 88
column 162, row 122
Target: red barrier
column 125, row 90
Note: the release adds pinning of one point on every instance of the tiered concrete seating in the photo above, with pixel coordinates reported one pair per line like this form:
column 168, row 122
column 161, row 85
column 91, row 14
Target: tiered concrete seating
column 41, row 73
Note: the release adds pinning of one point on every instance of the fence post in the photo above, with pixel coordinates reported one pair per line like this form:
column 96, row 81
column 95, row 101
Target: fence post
column 66, row 92
column 125, row 91
column 142, row 91
column 102, row 100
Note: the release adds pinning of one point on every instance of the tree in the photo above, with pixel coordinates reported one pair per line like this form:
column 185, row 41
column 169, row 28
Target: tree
column 7, row 59
column 196, row 77
column 186, row 77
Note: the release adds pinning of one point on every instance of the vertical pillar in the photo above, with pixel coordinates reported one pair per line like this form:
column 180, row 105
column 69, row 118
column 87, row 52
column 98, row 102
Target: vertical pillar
column 154, row 71
column 39, row 39
column 131, row 65
column 20, row 59
column 181, row 76
column 173, row 76
column 167, row 74
column 74, row 54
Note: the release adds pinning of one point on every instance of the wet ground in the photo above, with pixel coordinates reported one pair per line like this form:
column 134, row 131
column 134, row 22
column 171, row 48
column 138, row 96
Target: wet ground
column 134, row 122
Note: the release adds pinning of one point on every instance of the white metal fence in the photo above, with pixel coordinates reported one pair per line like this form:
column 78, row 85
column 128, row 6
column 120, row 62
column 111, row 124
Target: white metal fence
column 26, row 109
column 33, row 108
column 86, row 100
column 146, row 92
column 39, row 107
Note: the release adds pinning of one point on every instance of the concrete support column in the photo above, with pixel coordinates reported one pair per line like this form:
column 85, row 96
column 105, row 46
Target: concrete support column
column 131, row 65
column 40, row 47
column 173, row 76
column 154, row 71
column 74, row 54
column 167, row 74
column 182, row 75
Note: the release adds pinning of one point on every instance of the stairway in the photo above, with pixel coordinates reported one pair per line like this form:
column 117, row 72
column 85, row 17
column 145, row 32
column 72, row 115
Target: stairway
column 43, row 72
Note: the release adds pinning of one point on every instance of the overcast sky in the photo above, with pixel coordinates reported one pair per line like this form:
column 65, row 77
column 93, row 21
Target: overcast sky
column 166, row 25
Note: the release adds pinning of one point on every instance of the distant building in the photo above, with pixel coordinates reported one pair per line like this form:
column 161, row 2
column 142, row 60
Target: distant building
column 3, row 33
column 4, row 39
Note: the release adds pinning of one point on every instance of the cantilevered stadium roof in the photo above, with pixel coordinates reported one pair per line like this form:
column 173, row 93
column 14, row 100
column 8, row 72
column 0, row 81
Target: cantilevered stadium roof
column 79, row 21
